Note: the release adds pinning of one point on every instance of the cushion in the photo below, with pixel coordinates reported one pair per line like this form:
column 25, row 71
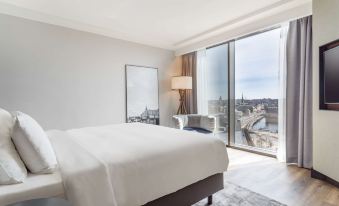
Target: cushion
column 12, row 169
column 194, row 120
column 198, row 129
column 33, row 145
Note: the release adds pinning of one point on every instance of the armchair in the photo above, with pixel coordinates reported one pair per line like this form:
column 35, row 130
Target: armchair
column 196, row 122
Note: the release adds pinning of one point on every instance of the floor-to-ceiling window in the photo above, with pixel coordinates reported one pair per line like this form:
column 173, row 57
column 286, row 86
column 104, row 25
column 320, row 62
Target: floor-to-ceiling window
column 240, row 81
column 212, row 83
column 256, row 75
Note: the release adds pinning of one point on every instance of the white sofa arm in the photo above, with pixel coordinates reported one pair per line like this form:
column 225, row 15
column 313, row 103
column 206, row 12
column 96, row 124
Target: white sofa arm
column 209, row 123
column 180, row 121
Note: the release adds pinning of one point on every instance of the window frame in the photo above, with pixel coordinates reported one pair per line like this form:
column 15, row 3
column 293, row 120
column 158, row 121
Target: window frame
column 231, row 92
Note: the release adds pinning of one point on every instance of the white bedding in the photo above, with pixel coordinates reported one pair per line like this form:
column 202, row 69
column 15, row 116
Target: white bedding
column 132, row 164
column 35, row 186
column 122, row 165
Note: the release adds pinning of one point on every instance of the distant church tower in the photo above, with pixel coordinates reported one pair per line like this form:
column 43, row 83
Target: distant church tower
column 220, row 105
column 146, row 111
column 242, row 98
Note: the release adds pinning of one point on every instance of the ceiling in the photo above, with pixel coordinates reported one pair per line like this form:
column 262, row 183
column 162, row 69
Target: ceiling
column 168, row 24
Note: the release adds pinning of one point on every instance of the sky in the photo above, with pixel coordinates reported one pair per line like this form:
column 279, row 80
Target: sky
column 216, row 73
column 256, row 67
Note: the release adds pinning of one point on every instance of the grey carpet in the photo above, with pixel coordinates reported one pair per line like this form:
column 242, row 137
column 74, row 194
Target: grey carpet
column 234, row 195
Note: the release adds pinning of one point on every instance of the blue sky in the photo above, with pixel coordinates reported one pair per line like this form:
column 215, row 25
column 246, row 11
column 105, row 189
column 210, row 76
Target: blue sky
column 216, row 75
column 256, row 63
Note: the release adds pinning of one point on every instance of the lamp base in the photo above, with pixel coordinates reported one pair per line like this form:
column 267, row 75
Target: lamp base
column 182, row 106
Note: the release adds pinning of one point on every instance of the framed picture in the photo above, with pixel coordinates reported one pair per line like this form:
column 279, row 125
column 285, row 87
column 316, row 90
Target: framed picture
column 142, row 94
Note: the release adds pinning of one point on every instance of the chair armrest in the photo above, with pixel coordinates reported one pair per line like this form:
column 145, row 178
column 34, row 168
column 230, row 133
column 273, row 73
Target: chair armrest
column 209, row 123
column 180, row 121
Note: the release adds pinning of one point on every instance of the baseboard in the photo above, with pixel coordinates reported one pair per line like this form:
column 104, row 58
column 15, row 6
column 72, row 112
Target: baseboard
column 317, row 175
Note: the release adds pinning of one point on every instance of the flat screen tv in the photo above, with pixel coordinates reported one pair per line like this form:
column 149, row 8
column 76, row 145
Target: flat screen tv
column 329, row 76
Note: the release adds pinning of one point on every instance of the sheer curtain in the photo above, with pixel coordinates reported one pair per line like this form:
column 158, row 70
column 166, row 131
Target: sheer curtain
column 202, row 102
column 281, row 153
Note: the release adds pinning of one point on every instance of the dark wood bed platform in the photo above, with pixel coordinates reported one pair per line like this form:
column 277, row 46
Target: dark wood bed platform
column 184, row 197
column 192, row 193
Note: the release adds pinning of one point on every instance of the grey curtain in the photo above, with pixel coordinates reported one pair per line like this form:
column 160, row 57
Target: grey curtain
column 299, row 93
column 189, row 68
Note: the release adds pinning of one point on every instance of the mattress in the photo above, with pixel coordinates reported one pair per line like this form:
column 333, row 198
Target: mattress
column 122, row 165
column 132, row 164
column 35, row 186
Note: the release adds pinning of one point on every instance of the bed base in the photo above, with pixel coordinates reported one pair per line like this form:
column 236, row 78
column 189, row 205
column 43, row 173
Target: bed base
column 192, row 193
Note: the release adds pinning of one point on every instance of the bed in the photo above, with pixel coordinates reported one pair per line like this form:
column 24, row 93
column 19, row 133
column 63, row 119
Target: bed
column 35, row 187
column 128, row 165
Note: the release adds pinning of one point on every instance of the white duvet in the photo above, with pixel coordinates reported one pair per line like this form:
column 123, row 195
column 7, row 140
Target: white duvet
column 132, row 164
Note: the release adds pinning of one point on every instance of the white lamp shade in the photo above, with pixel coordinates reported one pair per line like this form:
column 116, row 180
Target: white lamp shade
column 182, row 82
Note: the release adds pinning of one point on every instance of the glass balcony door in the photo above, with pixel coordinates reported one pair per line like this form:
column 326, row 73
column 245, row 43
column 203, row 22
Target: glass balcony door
column 257, row 91
column 212, row 84
column 240, row 84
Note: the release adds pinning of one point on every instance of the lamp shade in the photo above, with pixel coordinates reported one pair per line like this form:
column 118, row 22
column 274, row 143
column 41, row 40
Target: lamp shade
column 182, row 82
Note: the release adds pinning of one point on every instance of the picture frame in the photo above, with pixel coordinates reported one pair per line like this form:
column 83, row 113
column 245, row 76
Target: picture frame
column 142, row 94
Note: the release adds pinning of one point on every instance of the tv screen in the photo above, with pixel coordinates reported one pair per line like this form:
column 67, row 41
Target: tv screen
column 331, row 75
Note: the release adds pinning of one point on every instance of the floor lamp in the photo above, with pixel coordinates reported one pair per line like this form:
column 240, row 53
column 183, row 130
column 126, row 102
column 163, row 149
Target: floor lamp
column 182, row 83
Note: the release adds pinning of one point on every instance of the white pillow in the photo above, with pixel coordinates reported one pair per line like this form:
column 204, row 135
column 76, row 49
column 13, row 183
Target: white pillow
column 12, row 169
column 33, row 145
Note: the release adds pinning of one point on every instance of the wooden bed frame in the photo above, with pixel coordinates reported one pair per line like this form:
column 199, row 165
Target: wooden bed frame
column 192, row 193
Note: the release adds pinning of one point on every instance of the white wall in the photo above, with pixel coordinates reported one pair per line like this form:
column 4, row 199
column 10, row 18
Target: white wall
column 325, row 123
column 66, row 78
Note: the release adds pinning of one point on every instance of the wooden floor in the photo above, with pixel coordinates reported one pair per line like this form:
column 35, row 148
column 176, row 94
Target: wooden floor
column 287, row 184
